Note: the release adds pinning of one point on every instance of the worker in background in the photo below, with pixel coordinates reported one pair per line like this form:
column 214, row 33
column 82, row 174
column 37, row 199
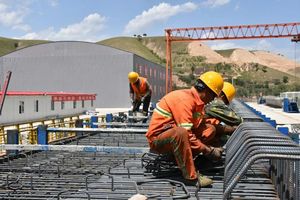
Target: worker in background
column 222, row 116
column 140, row 92
column 174, row 118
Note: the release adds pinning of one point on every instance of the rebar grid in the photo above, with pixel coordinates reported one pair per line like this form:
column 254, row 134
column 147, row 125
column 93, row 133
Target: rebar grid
column 109, row 175
column 254, row 141
column 82, row 175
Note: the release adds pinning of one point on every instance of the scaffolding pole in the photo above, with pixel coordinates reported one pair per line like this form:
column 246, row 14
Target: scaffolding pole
column 99, row 130
column 75, row 148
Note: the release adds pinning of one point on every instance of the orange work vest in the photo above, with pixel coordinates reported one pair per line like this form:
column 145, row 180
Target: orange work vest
column 141, row 90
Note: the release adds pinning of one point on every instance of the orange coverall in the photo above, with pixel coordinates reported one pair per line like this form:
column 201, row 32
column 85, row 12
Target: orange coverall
column 140, row 90
column 171, row 128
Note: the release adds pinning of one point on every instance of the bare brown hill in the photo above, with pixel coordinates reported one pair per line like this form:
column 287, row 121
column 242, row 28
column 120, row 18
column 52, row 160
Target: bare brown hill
column 276, row 61
column 242, row 57
column 200, row 49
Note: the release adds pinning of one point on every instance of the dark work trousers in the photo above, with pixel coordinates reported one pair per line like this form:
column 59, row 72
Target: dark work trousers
column 146, row 103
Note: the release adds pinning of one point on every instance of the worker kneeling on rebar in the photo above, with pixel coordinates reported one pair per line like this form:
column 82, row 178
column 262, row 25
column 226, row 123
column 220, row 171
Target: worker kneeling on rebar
column 222, row 119
column 175, row 121
column 140, row 92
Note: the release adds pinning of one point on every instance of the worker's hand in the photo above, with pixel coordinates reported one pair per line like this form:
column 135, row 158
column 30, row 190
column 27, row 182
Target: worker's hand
column 138, row 197
column 215, row 153
column 142, row 99
column 228, row 130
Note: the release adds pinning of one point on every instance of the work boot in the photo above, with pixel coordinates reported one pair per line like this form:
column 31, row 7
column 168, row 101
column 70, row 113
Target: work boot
column 204, row 181
column 201, row 181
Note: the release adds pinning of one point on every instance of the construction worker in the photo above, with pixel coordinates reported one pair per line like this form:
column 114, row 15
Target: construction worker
column 172, row 122
column 219, row 111
column 140, row 92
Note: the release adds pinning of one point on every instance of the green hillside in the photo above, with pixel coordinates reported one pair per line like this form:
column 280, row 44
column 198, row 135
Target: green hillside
column 160, row 43
column 138, row 46
column 133, row 45
column 266, row 80
column 9, row 45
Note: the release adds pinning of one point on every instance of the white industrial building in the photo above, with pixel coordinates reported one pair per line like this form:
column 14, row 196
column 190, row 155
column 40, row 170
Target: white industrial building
column 30, row 106
column 80, row 67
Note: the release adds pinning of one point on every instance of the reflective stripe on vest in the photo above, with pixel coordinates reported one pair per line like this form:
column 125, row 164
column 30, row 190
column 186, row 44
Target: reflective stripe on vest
column 187, row 126
column 162, row 112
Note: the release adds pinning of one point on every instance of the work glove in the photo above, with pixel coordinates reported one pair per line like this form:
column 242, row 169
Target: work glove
column 142, row 99
column 214, row 153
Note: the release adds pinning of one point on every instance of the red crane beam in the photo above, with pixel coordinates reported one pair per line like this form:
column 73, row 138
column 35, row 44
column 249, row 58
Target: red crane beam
column 235, row 32
column 257, row 31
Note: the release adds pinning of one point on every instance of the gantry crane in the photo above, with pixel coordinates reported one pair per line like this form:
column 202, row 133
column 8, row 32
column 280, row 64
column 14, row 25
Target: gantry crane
column 257, row 31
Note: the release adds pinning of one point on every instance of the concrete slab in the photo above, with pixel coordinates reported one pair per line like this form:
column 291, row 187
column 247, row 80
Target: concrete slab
column 103, row 111
column 282, row 118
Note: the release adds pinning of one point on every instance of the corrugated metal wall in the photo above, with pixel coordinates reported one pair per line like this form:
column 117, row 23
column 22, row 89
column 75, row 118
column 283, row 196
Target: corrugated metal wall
column 73, row 67
column 154, row 73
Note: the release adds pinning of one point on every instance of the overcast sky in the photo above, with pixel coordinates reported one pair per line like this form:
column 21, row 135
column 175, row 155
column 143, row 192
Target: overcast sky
column 95, row 20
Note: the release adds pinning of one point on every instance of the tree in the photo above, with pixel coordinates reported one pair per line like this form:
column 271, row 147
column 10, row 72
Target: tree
column 139, row 37
column 276, row 81
column 285, row 79
column 218, row 67
column 193, row 69
column 266, row 84
column 256, row 67
column 240, row 82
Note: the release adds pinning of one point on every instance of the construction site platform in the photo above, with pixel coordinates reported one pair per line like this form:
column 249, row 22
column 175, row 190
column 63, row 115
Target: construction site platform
column 259, row 163
column 282, row 118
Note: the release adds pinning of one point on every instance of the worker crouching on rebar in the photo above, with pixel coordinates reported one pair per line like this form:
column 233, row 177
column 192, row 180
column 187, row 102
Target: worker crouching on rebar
column 174, row 120
column 222, row 117
column 140, row 92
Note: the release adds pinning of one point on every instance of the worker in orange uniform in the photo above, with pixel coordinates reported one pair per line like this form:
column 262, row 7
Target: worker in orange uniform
column 174, row 118
column 219, row 111
column 140, row 92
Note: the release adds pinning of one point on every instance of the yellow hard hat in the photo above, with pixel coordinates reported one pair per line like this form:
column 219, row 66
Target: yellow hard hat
column 213, row 80
column 133, row 77
column 229, row 91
